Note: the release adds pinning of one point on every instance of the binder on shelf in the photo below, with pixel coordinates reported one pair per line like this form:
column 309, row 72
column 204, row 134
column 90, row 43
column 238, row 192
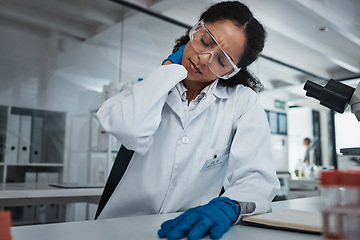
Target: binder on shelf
column 40, row 213
column 53, row 177
column 52, row 212
column 12, row 139
column 36, row 140
column 24, row 139
column 2, row 148
column 42, row 177
column 30, row 177
column 48, row 177
column 29, row 213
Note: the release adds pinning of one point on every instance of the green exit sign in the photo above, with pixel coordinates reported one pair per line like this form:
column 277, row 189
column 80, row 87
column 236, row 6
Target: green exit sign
column 279, row 104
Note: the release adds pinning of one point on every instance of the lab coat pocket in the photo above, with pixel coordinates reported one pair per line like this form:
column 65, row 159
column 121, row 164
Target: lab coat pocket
column 207, row 174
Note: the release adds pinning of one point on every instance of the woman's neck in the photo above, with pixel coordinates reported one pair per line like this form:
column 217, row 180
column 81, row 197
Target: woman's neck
column 194, row 88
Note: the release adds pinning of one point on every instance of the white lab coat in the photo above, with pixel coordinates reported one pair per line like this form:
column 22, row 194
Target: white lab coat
column 181, row 163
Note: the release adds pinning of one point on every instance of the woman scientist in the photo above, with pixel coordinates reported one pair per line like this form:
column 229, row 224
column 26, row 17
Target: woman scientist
column 196, row 126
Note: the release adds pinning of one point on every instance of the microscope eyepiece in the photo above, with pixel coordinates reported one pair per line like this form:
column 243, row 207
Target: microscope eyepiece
column 313, row 89
column 335, row 95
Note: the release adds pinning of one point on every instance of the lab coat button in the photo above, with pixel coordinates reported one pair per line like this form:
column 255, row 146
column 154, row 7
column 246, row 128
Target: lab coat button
column 185, row 139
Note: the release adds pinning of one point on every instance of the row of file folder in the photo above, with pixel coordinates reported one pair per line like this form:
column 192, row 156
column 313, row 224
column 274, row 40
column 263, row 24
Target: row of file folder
column 33, row 214
column 24, row 139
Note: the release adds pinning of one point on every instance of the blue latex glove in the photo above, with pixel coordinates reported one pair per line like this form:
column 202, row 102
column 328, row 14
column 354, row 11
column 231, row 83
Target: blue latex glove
column 177, row 56
column 216, row 217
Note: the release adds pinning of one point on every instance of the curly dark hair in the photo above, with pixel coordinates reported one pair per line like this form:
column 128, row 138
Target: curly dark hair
column 255, row 34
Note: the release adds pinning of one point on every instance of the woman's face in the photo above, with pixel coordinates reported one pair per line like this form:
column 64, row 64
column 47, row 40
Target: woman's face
column 230, row 37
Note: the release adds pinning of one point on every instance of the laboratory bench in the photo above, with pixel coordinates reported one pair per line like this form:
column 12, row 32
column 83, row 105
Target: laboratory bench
column 145, row 227
column 33, row 203
column 303, row 188
column 18, row 194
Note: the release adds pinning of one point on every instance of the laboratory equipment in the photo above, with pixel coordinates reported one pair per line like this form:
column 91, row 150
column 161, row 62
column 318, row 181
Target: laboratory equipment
column 337, row 96
column 341, row 204
column 340, row 189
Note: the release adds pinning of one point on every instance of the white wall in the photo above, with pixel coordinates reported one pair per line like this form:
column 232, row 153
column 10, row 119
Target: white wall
column 347, row 130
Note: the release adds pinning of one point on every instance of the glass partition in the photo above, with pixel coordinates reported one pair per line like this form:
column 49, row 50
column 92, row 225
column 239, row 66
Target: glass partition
column 46, row 69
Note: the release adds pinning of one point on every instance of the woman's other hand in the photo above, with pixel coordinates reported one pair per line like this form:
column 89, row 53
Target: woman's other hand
column 175, row 58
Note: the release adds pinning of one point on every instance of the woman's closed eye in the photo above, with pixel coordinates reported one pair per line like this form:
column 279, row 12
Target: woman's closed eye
column 207, row 43
column 221, row 61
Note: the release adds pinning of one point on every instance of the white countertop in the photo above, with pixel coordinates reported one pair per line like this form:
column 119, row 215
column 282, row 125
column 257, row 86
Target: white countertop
column 145, row 227
column 18, row 194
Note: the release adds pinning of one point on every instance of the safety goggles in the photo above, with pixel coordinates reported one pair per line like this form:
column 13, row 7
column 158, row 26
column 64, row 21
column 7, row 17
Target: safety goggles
column 204, row 42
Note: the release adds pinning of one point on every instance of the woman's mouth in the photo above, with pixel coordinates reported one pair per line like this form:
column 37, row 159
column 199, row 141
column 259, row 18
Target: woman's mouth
column 194, row 68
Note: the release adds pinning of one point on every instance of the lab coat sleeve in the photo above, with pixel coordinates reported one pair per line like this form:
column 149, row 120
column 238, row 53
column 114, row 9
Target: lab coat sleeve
column 251, row 175
column 133, row 115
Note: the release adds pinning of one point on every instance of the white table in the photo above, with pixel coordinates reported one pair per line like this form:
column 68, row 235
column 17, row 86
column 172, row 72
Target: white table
column 20, row 194
column 32, row 194
column 145, row 227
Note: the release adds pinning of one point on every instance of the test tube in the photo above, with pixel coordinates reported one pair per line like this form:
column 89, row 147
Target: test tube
column 330, row 198
column 341, row 204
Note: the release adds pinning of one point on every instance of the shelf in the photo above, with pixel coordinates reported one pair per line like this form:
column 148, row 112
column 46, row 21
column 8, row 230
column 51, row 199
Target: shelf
column 32, row 145
column 31, row 165
column 98, row 151
column 34, row 165
column 103, row 151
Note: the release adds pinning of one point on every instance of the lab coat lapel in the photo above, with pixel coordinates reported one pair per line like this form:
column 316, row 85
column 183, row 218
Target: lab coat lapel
column 175, row 103
column 202, row 106
column 219, row 91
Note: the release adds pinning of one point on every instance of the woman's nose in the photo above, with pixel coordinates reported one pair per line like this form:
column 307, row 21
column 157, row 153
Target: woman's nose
column 205, row 57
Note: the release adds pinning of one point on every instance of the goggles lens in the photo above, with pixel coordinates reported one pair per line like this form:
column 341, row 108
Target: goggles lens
column 205, row 43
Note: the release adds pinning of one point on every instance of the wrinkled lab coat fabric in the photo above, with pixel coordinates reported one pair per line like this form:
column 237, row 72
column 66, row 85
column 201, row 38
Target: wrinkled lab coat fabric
column 182, row 162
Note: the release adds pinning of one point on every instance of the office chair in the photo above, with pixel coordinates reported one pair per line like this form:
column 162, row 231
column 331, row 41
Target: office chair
column 118, row 169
